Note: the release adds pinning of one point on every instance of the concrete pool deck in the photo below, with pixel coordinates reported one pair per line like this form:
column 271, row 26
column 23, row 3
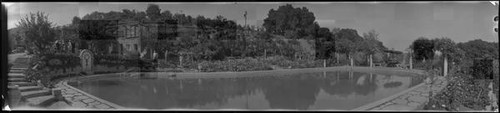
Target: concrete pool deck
column 411, row 99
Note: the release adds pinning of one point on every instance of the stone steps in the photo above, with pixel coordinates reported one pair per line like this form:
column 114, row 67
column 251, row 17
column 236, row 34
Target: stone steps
column 42, row 101
column 30, row 88
column 21, row 84
column 17, row 79
column 35, row 93
column 16, row 71
column 30, row 93
column 18, row 68
column 16, row 75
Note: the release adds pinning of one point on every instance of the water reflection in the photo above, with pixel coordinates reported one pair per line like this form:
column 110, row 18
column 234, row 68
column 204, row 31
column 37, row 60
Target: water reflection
column 321, row 90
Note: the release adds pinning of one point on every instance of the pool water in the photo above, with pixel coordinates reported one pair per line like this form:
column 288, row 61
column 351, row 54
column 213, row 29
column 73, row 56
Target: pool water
column 339, row 90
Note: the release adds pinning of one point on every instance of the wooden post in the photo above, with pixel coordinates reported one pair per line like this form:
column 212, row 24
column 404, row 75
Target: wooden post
column 337, row 56
column 352, row 61
column 265, row 53
column 371, row 60
column 324, row 63
column 166, row 55
column 445, row 66
column 411, row 62
column 180, row 60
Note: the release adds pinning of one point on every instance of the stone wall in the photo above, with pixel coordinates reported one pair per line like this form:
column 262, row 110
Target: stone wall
column 109, row 69
column 76, row 70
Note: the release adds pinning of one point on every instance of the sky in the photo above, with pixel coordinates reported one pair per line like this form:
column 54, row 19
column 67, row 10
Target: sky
column 398, row 23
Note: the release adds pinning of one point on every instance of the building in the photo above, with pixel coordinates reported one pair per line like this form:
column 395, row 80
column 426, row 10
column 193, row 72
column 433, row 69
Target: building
column 134, row 35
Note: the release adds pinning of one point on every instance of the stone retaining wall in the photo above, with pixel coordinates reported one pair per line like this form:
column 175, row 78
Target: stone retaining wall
column 76, row 70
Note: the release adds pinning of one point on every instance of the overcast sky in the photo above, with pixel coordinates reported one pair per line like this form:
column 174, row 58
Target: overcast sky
column 398, row 23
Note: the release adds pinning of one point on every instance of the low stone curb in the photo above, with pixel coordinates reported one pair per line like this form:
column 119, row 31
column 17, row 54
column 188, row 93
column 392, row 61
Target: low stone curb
column 80, row 99
column 414, row 99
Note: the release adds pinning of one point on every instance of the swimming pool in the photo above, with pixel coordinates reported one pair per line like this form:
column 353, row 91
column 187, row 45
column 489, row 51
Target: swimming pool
column 310, row 90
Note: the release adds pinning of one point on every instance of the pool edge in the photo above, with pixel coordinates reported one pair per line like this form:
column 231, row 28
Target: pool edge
column 387, row 99
column 116, row 106
column 360, row 69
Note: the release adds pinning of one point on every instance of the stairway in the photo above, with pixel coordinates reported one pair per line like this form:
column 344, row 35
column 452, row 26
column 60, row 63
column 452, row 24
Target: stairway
column 24, row 92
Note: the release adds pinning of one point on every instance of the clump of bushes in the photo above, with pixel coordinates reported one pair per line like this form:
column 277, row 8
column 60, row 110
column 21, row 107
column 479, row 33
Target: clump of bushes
column 429, row 64
column 57, row 61
column 280, row 61
column 115, row 60
column 308, row 63
column 462, row 90
column 254, row 64
column 246, row 64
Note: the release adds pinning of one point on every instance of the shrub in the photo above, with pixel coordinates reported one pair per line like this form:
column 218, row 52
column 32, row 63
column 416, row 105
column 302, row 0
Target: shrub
column 132, row 55
column 116, row 60
column 308, row 63
column 166, row 64
column 429, row 64
column 462, row 89
column 482, row 69
column 53, row 61
column 56, row 61
column 246, row 64
column 280, row 61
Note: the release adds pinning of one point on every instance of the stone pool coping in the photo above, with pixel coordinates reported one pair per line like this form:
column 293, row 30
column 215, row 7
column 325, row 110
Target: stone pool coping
column 387, row 99
column 369, row 106
column 374, row 70
column 415, row 99
column 113, row 105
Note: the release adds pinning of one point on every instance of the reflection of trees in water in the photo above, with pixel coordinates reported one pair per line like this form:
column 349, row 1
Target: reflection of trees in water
column 369, row 85
column 345, row 86
column 416, row 79
column 282, row 92
column 392, row 84
column 294, row 92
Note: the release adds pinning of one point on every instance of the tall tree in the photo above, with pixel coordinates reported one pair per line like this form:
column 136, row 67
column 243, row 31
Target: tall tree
column 166, row 15
column 295, row 22
column 38, row 31
column 371, row 45
column 345, row 39
column 479, row 49
column 448, row 49
column 99, row 33
column 423, row 49
column 153, row 12
column 325, row 44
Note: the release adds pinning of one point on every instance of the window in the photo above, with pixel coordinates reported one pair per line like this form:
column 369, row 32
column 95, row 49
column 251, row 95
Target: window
column 128, row 47
column 135, row 31
column 135, row 47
